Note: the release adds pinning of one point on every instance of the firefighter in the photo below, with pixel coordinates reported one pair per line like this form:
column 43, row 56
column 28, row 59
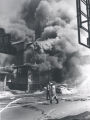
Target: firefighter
column 48, row 92
column 52, row 92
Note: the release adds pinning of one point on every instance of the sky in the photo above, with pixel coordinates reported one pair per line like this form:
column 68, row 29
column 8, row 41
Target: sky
column 10, row 7
column 72, row 2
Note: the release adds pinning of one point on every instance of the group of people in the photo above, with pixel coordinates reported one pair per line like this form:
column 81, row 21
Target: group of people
column 51, row 92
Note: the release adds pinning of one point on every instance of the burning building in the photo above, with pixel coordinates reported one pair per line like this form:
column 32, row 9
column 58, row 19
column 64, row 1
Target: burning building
column 54, row 48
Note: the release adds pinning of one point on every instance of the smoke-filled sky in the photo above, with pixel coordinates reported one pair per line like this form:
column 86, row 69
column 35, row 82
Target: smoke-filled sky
column 7, row 6
column 53, row 19
column 10, row 8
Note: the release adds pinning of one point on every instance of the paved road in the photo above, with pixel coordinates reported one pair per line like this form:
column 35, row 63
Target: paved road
column 37, row 108
column 29, row 108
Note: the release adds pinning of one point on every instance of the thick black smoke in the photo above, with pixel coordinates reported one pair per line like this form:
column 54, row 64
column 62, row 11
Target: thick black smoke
column 56, row 49
column 28, row 14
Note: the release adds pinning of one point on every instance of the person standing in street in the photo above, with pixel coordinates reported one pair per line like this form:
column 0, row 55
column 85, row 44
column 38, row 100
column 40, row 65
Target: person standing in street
column 48, row 92
column 52, row 93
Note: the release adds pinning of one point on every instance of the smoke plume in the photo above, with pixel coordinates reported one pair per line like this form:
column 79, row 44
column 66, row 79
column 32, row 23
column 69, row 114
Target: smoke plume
column 11, row 21
column 54, row 24
column 57, row 38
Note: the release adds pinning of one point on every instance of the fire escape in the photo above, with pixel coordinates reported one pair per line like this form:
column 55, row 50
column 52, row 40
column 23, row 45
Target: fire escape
column 83, row 19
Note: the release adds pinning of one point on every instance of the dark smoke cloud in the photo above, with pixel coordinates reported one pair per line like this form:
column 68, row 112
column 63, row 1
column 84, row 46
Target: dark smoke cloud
column 28, row 13
column 54, row 24
column 11, row 21
column 56, row 29
column 49, row 32
column 19, row 29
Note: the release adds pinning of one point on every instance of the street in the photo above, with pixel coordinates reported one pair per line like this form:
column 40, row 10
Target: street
column 37, row 108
